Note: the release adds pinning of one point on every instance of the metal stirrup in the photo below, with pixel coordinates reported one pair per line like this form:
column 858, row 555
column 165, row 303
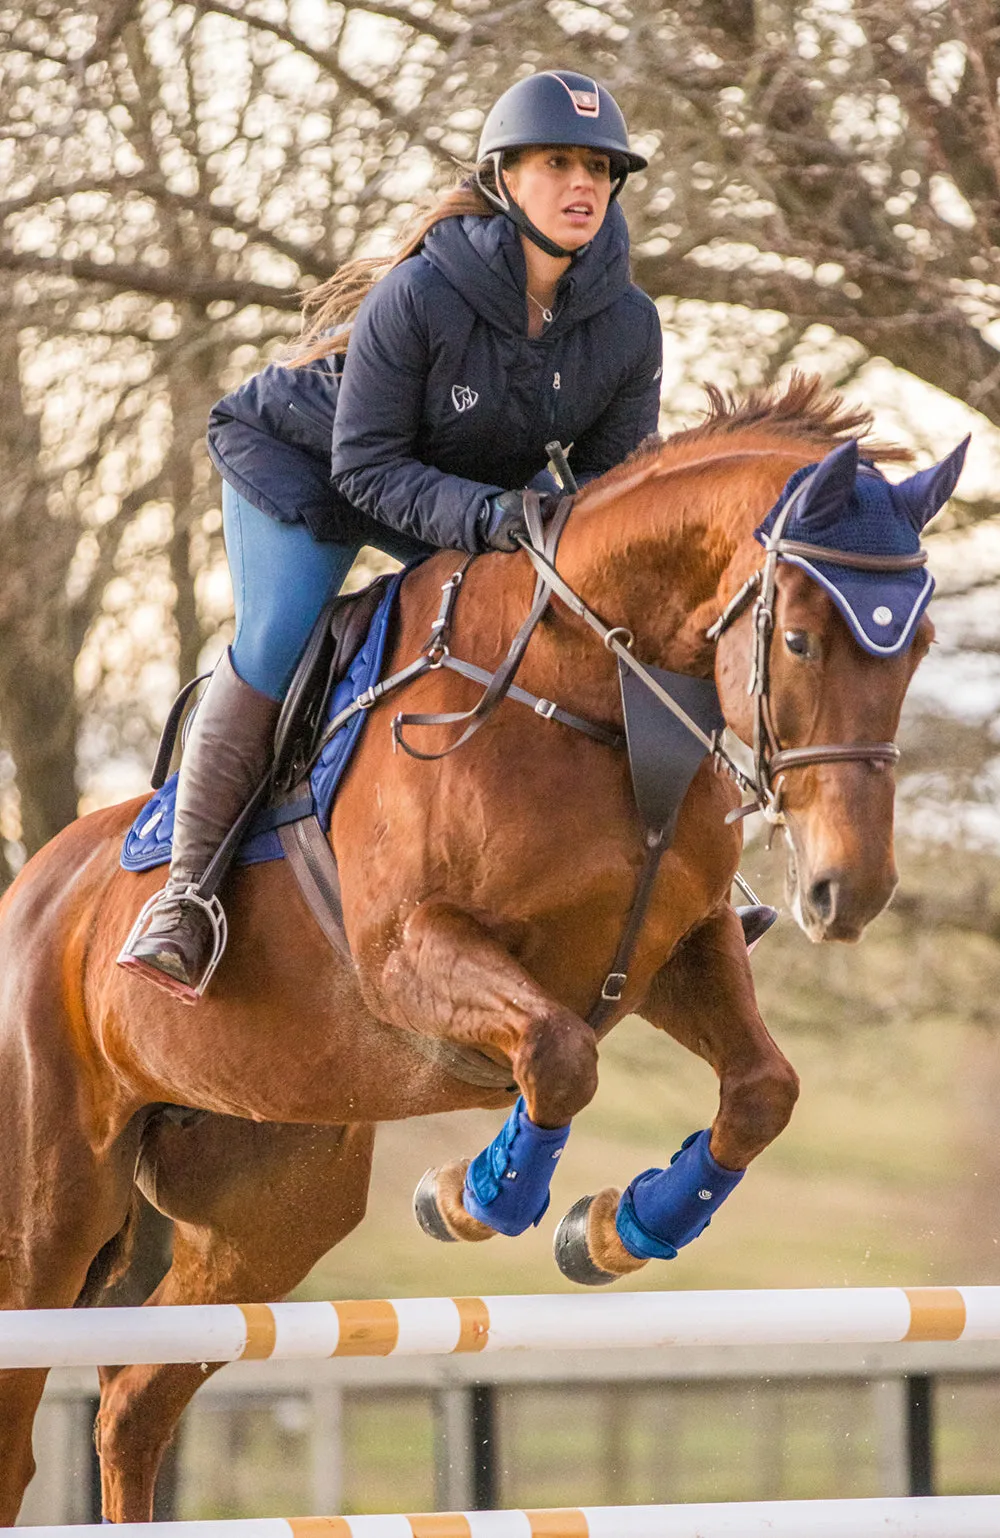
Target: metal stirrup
column 209, row 906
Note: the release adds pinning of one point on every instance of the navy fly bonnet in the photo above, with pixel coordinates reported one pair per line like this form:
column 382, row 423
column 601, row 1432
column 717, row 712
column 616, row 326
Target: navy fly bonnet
column 849, row 506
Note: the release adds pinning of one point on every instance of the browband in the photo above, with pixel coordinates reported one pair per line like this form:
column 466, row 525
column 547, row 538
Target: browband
column 856, row 560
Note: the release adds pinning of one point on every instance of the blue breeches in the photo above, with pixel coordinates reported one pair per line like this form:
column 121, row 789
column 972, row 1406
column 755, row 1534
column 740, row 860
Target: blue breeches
column 282, row 577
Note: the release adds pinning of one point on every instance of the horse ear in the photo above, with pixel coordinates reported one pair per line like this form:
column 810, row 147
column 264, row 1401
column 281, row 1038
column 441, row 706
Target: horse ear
column 830, row 486
column 925, row 493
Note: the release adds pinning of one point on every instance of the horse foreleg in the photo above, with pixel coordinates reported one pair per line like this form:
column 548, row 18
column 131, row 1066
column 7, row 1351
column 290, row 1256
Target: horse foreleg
column 704, row 998
column 452, row 979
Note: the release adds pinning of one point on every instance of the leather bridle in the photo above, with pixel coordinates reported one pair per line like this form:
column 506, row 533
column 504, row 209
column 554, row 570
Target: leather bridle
column 771, row 760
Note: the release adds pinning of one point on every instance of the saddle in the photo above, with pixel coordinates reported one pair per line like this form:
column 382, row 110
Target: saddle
column 337, row 637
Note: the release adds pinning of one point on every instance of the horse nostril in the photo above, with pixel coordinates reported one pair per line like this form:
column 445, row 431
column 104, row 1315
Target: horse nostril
column 823, row 899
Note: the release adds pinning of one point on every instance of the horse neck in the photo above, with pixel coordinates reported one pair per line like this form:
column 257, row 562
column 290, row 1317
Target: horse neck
column 661, row 557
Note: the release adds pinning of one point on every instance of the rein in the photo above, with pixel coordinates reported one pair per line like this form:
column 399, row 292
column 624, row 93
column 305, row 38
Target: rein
column 541, row 547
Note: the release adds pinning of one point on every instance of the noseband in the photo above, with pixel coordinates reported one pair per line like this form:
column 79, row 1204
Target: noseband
column 771, row 760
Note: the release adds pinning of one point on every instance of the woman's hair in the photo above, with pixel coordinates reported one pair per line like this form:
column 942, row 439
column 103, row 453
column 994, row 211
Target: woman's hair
column 327, row 308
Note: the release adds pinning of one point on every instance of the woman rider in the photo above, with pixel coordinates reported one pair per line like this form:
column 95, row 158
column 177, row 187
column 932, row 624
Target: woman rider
column 507, row 318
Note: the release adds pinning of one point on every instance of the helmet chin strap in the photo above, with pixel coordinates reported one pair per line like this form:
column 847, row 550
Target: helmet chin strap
column 503, row 199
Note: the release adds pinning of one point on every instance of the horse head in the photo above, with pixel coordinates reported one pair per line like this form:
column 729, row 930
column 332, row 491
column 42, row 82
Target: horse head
column 837, row 628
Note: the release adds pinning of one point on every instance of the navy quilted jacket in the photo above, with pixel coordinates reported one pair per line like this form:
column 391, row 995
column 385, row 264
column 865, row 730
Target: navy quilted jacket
column 443, row 399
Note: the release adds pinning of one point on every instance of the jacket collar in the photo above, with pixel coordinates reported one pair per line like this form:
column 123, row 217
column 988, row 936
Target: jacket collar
column 483, row 260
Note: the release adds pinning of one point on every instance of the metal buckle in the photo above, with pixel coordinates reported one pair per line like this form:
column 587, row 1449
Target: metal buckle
column 437, row 653
column 619, row 633
column 772, row 809
column 455, row 580
column 546, row 709
column 367, row 699
column 614, row 980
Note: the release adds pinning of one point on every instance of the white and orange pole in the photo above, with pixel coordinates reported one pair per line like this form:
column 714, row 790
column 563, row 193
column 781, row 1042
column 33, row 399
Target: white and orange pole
column 446, row 1326
column 960, row 1516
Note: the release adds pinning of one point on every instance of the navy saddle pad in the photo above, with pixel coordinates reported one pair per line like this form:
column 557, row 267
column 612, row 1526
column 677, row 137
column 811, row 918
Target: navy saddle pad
column 147, row 842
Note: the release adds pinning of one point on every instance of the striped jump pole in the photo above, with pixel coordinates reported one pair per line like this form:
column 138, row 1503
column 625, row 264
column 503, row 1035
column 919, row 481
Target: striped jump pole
column 957, row 1516
column 444, row 1326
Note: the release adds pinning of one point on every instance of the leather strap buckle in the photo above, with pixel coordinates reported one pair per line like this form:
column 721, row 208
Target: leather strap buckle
column 614, row 981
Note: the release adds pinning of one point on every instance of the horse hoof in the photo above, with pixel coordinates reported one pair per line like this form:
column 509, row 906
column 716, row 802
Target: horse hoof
column 572, row 1253
column 427, row 1212
column 587, row 1247
column 437, row 1206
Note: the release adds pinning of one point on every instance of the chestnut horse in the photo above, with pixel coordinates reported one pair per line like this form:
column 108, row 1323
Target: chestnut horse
column 484, row 896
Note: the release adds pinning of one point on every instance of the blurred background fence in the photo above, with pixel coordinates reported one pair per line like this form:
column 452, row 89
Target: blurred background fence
column 553, row 1429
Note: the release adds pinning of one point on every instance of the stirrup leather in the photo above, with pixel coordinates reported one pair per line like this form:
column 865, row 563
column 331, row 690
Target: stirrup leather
column 209, row 906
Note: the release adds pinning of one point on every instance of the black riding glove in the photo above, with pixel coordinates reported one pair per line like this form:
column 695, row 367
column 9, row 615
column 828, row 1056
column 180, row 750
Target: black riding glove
column 501, row 520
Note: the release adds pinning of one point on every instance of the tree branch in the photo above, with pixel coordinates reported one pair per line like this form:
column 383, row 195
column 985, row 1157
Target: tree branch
column 381, row 100
column 219, row 214
column 423, row 24
column 164, row 284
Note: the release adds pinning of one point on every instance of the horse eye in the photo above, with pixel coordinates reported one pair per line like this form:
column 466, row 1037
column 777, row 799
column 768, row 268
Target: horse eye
column 800, row 644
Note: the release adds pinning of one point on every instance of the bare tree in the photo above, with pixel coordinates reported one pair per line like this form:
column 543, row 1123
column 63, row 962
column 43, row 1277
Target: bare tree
column 172, row 175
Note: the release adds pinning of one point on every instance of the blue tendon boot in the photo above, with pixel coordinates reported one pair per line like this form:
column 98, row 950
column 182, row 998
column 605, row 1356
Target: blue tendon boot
column 507, row 1185
column 664, row 1209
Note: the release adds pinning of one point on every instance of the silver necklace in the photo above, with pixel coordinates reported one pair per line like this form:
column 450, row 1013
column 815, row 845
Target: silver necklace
column 546, row 313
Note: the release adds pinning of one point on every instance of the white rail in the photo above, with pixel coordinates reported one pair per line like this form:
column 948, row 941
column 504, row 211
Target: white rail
column 959, row 1516
column 444, row 1326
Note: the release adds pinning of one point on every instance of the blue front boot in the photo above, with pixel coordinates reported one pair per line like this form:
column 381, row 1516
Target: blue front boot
column 662, row 1210
column 507, row 1185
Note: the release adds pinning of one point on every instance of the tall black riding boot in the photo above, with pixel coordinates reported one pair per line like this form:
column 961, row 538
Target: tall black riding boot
column 179, row 939
column 756, row 921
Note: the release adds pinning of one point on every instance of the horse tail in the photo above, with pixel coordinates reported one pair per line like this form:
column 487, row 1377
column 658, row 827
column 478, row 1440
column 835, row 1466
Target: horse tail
column 112, row 1259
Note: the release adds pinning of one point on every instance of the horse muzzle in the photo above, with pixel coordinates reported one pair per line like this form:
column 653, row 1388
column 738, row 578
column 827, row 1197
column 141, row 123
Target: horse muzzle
column 836, row 902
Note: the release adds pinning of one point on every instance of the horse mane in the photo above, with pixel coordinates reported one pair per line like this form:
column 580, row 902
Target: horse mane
column 804, row 412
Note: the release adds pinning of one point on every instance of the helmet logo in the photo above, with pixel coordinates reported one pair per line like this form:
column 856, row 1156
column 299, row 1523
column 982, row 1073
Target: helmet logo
column 463, row 397
column 586, row 103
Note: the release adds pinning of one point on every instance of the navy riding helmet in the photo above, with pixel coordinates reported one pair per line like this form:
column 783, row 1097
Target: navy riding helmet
column 556, row 106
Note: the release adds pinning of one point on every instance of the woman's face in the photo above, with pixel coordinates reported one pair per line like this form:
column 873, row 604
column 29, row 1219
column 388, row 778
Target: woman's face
column 563, row 189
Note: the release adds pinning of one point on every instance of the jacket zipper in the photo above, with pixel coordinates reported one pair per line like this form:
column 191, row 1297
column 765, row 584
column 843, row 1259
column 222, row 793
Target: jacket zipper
column 554, row 392
column 307, row 416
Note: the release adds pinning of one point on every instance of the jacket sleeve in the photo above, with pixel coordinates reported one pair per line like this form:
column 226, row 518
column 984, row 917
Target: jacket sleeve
column 378, row 422
column 633, row 413
column 270, row 439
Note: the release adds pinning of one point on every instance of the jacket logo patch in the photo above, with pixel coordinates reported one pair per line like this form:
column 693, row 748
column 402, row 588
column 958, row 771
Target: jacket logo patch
column 463, row 397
